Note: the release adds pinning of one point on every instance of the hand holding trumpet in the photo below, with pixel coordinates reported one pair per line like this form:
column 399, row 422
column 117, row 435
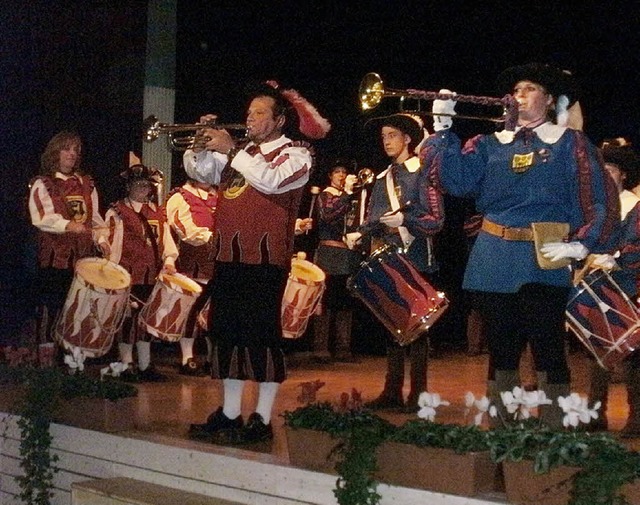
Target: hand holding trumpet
column 212, row 139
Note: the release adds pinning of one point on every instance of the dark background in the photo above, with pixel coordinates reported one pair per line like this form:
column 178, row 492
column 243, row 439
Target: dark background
column 80, row 65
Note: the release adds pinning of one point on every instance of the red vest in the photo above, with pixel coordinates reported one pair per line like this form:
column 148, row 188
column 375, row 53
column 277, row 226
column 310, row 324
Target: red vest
column 72, row 200
column 253, row 227
column 142, row 241
column 197, row 261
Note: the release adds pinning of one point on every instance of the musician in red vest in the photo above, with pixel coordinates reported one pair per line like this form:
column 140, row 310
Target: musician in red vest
column 63, row 204
column 191, row 214
column 260, row 187
column 141, row 242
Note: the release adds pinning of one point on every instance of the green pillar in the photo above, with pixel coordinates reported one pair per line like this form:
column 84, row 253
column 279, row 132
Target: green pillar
column 159, row 82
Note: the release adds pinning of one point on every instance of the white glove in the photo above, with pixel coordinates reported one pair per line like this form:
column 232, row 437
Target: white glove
column 555, row 251
column 352, row 239
column 392, row 220
column 349, row 182
column 605, row 261
column 443, row 107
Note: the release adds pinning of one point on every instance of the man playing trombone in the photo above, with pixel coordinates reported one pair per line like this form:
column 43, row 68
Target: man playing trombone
column 260, row 187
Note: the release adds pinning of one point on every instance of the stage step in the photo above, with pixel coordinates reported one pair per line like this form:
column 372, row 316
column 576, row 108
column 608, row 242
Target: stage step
column 125, row 491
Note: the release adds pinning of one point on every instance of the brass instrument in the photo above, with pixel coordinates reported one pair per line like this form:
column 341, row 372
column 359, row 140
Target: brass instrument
column 372, row 91
column 365, row 177
column 153, row 129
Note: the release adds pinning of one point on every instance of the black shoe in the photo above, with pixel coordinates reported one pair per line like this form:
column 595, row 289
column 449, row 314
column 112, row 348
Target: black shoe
column 192, row 368
column 216, row 422
column 130, row 375
column 253, row 432
column 385, row 402
column 150, row 374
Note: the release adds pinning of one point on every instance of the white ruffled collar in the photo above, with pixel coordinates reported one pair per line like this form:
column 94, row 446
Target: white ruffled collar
column 548, row 132
column 412, row 165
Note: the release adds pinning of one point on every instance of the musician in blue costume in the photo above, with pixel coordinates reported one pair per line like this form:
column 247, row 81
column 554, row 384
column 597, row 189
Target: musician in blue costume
column 407, row 211
column 542, row 172
column 623, row 164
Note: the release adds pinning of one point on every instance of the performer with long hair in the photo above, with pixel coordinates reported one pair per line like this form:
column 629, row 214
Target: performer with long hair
column 63, row 204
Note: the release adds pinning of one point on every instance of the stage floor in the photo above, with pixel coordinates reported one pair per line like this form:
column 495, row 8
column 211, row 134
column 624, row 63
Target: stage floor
column 166, row 409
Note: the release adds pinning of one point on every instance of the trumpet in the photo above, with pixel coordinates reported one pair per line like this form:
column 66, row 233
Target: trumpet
column 372, row 91
column 153, row 129
column 365, row 177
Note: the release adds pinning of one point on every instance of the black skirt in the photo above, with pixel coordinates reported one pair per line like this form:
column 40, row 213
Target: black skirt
column 245, row 322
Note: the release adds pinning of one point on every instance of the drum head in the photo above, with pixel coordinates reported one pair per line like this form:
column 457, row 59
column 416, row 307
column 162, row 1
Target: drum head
column 305, row 270
column 181, row 283
column 103, row 273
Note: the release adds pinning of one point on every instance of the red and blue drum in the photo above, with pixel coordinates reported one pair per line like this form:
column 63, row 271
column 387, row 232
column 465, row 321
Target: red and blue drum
column 397, row 294
column 603, row 318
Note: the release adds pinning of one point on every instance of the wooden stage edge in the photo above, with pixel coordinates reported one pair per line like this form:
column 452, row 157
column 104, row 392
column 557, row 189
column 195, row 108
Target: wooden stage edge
column 158, row 450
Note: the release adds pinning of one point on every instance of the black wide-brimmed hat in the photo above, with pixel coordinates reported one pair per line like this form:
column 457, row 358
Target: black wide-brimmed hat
column 410, row 124
column 140, row 172
column 620, row 152
column 556, row 81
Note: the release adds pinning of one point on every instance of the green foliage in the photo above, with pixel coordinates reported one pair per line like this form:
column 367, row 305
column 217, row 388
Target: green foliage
column 361, row 432
column 43, row 388
column 423, row 433
column 605, row 463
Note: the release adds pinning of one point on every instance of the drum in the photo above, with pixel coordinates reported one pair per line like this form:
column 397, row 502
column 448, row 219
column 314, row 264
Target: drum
column 165, row 314
column 302, row 295
column 603, row 318
column 94, row 308
column 202, row 320
column 397, row 294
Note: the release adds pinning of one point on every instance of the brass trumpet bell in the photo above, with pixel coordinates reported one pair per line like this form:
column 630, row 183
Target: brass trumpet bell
column 365, row 177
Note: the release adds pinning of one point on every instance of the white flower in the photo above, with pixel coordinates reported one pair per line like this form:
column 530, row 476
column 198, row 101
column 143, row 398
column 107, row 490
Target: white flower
column 481, row 404
column 577, row 410
column 520, row 402
column 75, row 360
column 114, row 369
column 428, row 403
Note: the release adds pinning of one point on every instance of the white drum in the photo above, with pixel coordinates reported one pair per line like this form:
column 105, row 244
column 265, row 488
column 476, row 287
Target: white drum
column 165, row 314
column 302, row 295
column 94, row 308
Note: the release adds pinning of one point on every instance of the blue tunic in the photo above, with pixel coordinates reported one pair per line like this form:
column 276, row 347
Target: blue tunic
column 565, row 182
column 423, row 218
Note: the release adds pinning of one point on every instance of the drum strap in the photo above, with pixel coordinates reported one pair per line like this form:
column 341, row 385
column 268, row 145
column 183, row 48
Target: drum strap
column 407, row 238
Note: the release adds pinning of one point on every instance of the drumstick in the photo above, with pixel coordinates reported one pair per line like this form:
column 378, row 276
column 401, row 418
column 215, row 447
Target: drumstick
column 315, row 191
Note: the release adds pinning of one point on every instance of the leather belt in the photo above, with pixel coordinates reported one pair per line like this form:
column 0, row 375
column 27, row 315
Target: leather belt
column 333, row 243
column 507, row 232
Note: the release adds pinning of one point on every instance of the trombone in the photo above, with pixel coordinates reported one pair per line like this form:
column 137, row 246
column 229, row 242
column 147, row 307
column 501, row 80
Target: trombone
column 372, row 91
column 153, row 129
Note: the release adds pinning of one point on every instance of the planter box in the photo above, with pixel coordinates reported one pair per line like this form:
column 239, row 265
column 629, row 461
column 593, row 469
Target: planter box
column 525, row 487
column 97, row 414
column 312, row 449
column 440, row 470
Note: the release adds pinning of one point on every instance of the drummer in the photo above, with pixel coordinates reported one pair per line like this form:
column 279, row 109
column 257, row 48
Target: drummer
column 141, row 242
column 405, row 210
column 63, row 205
column 623, row 164
column 191, row 212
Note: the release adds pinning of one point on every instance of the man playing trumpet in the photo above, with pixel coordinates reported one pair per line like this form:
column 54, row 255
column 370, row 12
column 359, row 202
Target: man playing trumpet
column 260, row 187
